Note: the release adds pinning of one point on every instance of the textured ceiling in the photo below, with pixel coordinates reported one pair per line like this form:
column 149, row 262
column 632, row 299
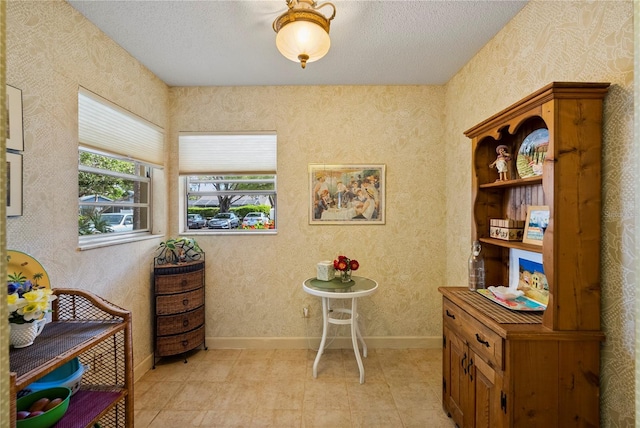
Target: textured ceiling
column 229, row 43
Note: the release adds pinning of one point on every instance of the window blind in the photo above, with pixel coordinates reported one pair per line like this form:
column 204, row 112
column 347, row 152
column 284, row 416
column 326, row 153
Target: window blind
column 105, row 126
column 227, row 153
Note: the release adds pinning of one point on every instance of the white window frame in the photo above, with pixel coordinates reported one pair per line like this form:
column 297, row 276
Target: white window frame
column 109, row 130
column 223, row 156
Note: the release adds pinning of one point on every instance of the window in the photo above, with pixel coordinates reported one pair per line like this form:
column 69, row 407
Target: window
column 229, row 181
column 113, row 194
column 118, row 156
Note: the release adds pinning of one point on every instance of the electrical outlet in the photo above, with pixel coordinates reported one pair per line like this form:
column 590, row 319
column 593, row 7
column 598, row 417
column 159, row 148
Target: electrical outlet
column 305, row 312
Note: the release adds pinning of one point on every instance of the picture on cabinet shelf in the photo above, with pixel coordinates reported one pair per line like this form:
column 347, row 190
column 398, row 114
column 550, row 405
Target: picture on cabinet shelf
column 527, row 274
column 536, row 224
column 346, row 194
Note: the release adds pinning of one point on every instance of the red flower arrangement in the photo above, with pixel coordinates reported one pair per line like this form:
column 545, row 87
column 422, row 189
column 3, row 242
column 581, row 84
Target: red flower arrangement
column 344, row 264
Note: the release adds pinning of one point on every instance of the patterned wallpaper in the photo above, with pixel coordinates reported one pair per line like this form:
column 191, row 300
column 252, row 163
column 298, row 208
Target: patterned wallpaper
column 564, row 41
column 51, row 51
column 399, row 126
column 415, row 130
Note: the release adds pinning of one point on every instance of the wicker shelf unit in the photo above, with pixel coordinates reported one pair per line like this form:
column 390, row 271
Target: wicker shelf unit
column 98, row 333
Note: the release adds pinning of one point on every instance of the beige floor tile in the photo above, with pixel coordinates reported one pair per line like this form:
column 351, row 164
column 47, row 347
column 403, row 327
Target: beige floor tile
column 326, row 418
column 276, row 418
column 219, row 354
column 275, row 388
column 209, row 371
column 414, row 396
column 250, row 369
column 421, row 418
column 325, row 395
column 194, row 396
column 282, row 394
column 239, row 417
column 155, row 397
column 287, row 369
column 376, row 418
column 143, row 418
column 257, row 354
column 177, row 418
column 237, row 394
column 370, row 396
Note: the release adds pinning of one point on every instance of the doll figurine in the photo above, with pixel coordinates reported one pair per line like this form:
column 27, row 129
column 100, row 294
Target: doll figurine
column 501, row 162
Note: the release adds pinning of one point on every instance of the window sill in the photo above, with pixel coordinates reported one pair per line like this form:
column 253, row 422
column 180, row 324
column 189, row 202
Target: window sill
column 93, row 242
column 219, row 232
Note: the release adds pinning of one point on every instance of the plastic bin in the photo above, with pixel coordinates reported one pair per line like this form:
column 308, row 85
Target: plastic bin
column 69, row 375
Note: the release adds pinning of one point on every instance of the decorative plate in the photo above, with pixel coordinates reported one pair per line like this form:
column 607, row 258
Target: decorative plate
column 22, row 265
column 532, row 153
column 521, row 303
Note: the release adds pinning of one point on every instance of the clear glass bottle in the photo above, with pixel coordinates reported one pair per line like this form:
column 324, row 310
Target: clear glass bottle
column 476, row 267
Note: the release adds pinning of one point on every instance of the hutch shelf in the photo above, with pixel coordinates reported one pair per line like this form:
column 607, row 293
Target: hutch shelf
column 504, row 368
column 99, row 334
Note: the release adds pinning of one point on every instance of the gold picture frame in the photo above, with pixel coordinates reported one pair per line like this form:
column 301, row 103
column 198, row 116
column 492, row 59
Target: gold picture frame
column 347, row 194
column 536, row 224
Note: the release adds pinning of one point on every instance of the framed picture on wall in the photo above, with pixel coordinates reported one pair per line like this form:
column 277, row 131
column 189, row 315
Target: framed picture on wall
column 535, row 225
column 15, row 139
column 14, row 184
column 346, row 194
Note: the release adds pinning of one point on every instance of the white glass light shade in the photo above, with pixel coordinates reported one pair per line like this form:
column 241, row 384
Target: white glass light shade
column 303, row 38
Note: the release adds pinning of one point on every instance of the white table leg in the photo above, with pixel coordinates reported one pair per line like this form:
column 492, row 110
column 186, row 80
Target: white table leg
column 355, row 333
column 325, row 327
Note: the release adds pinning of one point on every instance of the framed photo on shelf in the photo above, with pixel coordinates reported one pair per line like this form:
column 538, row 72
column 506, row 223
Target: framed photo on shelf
column 14, row 184
column 346, row 194
column 15, row 139
column 536, row 223
column 526, row 273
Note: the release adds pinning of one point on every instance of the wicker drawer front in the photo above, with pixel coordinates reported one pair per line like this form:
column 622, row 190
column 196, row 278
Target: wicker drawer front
column 170, row 284
column 178, row 344
column 179, row 303
column 481, row 339
column 175, row 324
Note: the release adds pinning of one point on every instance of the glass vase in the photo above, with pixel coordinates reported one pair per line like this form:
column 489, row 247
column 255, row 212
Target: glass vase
column 345, row 275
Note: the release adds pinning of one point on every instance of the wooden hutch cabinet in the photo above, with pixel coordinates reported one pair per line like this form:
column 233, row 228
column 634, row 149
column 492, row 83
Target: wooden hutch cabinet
column 504, row 368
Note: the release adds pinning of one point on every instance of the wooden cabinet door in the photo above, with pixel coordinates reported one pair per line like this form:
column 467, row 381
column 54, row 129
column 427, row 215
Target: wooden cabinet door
column 458, row 382
column 490, row 411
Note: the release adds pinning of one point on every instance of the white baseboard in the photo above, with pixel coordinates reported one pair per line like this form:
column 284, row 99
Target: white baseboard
column 395, row 342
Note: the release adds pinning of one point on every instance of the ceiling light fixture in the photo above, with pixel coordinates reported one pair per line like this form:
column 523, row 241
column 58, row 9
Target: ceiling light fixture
column 303, row 32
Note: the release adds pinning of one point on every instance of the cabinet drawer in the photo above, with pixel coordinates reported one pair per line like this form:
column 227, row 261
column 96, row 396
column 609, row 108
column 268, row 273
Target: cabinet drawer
column 175, row 324
column 179, row 303
column 484, row 341
column 173, row 345
column 170, row 284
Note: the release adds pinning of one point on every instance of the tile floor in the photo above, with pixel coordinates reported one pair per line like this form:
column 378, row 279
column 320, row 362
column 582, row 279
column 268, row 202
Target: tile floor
column 275, row 388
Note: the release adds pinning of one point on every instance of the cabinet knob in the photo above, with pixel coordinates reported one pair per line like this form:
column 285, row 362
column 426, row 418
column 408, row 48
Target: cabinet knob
column 185, row 343
column 450, row 315
column 185, row 322
column 184, row 283
column 185, row 302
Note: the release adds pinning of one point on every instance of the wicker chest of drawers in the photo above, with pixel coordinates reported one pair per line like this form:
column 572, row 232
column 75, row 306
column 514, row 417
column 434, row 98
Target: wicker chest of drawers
column 179, row 308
